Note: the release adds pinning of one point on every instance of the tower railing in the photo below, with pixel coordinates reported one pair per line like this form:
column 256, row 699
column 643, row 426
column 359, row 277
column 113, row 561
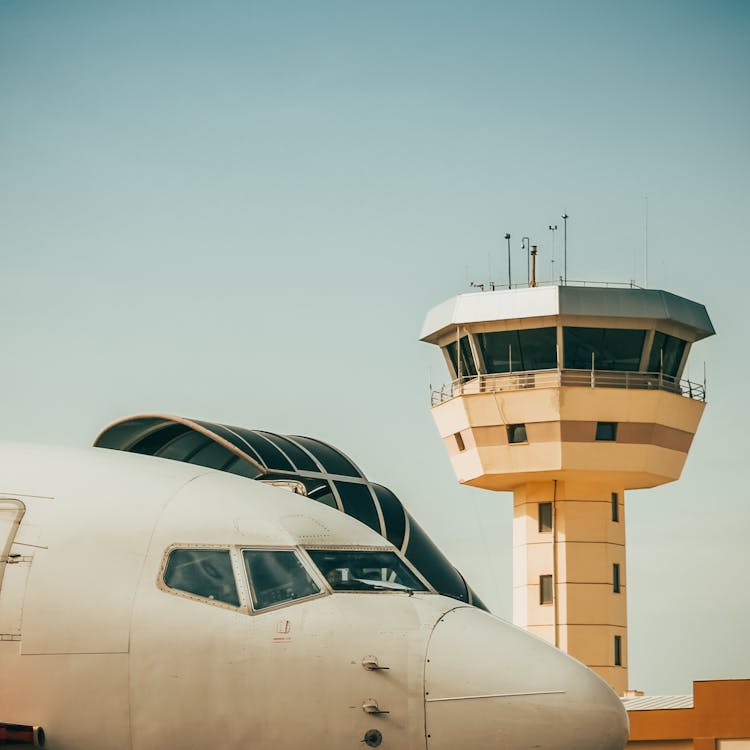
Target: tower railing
column 517, row 381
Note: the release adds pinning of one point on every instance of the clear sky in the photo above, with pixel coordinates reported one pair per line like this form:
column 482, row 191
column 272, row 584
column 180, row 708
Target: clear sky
column 241, row 211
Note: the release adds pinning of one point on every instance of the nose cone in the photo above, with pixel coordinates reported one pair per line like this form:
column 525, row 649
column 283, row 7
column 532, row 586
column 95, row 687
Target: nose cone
column 490, row 685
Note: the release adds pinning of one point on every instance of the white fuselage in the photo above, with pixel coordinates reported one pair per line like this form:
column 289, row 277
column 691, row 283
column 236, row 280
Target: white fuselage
column 96, row 648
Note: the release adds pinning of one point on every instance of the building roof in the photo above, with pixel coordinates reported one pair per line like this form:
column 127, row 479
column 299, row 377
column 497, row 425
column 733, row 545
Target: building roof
column 544, row 301
column 656, row 702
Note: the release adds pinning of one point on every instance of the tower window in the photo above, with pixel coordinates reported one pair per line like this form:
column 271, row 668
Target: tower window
column 602, row 348
column 545, row 517
column 606, row 431
column 616, row 577
column 545, row 589
column 615, row 508
column 459, row 441
column 518, row 351
column 618, row 650
column 517, row 433
column 666, row 354
column 462, row 358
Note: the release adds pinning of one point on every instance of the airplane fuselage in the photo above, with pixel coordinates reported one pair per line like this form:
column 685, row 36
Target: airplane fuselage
column 143, row 606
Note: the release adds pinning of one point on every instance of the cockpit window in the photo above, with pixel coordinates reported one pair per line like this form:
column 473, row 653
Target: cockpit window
column 277, row 576
column 359, row 570
column 203, row 572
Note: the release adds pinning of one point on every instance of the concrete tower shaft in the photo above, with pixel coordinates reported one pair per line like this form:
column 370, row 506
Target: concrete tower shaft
column 568, row 396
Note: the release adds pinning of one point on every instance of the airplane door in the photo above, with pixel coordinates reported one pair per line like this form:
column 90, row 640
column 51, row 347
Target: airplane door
column 14, row 568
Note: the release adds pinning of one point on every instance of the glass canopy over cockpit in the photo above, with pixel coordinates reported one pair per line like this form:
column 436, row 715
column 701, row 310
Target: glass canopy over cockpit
column 314, row 468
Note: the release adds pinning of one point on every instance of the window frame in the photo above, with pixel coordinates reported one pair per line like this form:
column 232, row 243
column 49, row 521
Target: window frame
column 198, row 547
column 569, row 344
column 542, row 601
column 618, row 660
column 244, row 585
column 511, row 427
column 656, row 352
column 616, row 578
column 458, row 344
column 365, row 548
column 241, row 577
column 307, row 564
column 521, row 347
column 551, row 518
column 615, row 503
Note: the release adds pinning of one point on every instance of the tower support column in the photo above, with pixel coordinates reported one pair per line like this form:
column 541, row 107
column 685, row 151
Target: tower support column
column 569, row 582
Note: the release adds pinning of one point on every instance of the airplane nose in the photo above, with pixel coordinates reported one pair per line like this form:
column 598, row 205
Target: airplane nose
column 490, row 685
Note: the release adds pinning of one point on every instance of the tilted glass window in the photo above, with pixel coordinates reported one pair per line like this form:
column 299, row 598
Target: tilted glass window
column 212, row 456
column 612, row 348
column 393, row 515
column 320, row 491
column 358, row 503
column 206, row 573
column 468, row 368
column 427, row 558
column 516, row 351
column 242, row 468
column 332, row 460
column 666, row 354
column 183, row 446
column 276, row 577
column 357, row 570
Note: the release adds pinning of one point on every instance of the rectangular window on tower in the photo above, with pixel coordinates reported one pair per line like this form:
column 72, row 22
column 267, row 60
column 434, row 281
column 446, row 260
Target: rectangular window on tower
column 618, row 650
column 606, row 431
column 516, row 433
column 545, row 517
column 616, row 577
column 545, row 589
column 615, row 508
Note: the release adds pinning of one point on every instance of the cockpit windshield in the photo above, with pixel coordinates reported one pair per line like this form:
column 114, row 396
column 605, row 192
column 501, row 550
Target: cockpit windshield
column 360, row 570
column 277, row 577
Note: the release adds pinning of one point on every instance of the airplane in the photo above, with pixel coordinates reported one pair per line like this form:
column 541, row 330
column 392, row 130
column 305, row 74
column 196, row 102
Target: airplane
column 169, row 589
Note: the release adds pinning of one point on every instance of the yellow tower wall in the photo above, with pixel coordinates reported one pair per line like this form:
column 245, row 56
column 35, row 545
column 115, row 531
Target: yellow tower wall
column 655, row 432
column 561, row 462
column 585, row 613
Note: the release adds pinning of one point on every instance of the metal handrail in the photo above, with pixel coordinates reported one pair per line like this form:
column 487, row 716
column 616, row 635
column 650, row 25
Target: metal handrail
column 497, row 286
column 517, row 381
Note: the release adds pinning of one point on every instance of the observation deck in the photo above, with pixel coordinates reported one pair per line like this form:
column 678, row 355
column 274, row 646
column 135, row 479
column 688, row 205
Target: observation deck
column 518, row 381
column 563, row 382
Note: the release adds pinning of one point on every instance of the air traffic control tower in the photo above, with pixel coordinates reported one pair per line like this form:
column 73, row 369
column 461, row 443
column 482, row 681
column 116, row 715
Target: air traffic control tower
column 567, row 396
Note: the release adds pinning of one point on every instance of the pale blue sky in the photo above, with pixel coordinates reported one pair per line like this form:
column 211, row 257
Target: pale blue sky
column 241, row 211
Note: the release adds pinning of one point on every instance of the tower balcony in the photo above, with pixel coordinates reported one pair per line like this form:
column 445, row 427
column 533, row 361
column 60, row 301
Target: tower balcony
column 516, row 381
column 633, row 429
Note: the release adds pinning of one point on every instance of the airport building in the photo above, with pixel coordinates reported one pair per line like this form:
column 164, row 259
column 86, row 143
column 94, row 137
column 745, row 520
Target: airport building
column 715, row 717
column 567, row 396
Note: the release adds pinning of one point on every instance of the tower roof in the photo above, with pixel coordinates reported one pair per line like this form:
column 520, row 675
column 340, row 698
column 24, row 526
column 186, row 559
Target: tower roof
column 568, row 301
